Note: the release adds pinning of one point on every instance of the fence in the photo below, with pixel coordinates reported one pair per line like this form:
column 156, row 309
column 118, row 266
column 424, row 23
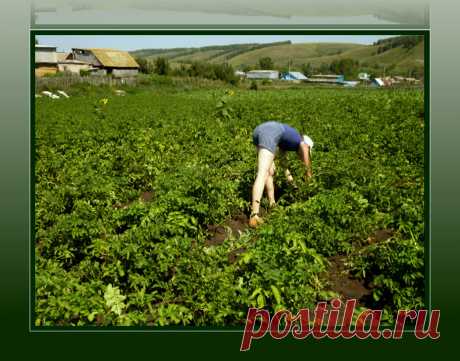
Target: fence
column 65, row 82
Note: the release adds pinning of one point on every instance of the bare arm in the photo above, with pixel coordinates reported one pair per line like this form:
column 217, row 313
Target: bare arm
column 284, row 163
column 304, row 155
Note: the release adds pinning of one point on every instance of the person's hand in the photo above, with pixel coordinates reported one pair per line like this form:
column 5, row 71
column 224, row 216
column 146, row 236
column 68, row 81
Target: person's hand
column 293, row 185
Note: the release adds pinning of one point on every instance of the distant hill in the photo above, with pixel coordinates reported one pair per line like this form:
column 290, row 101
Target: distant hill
column 395, row 59
column 401, row 54
column 205, row 53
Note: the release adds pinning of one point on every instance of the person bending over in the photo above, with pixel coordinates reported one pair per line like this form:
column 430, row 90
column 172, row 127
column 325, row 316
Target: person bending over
column 268, row 137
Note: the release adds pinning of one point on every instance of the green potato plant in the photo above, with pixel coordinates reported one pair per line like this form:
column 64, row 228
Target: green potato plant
column 127, row 188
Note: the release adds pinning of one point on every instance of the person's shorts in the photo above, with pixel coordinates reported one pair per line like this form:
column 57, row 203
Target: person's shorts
column 267, row 135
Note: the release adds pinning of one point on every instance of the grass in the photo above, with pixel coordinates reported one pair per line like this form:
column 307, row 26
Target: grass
column 298, row 53
column 400, row 59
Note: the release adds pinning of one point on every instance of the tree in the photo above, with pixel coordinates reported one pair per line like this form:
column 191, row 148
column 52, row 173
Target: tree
column 324, row 68
column 198, row 69
column 346, row 66
column 205, row 70
column 162, row 66
column 226, row 73
column 266, row 63
column 144, row 65
column 307, row 69
column 246, row 67
column 180, row 71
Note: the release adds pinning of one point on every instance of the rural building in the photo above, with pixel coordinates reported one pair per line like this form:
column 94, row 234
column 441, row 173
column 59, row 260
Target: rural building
column 263, row 74
column 364, row 76
column 72, row 66
column 49, row 61
column 109, row 61
column 377, row 82
column 387, row 81
column 326, row 78
column 60, row 55
column 293, row 76
column 350, row 83
column 46, row 61
column 69, row 65
column 403, row 79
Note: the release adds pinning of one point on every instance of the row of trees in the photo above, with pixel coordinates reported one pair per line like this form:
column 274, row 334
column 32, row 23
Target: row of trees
column 406, row 42
column 161, row 66
column 350, row 68
column 347, row 67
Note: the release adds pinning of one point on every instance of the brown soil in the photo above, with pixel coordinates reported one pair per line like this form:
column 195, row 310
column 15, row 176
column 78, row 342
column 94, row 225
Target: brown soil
column 232, row 227
column 99, row 319
column 217, row 235
column 238, row 224
column 380, row 236
column 233, row 255
column 144, row 197
column 342, row 282
column 338, row 275
column 340, row 279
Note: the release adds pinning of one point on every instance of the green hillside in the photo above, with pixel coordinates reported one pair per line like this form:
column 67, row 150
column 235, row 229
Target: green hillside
column 369, row 54
column 206, row 53
column 298, row 54
column 403, row 54
column 250, row 53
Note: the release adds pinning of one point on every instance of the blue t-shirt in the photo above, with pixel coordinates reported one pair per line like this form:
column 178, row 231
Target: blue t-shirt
column 290, row 140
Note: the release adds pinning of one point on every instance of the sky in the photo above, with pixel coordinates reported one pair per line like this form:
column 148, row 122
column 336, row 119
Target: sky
column 135, row 42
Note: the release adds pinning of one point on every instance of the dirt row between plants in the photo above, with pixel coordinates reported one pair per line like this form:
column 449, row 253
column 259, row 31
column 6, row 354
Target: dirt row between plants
column 338, row 275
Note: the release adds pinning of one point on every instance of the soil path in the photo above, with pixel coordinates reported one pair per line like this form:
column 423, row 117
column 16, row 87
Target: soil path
column 146, row 196
column 339, row 274
column 232, row 227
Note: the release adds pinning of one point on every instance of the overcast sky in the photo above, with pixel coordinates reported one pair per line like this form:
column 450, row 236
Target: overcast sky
column 134, row 42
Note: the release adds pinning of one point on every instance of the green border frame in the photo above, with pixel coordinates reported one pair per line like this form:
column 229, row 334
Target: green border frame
column 175, row 329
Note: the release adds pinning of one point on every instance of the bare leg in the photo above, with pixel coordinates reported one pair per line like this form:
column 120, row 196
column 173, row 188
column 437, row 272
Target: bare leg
column 264, row 162
column 270, row 186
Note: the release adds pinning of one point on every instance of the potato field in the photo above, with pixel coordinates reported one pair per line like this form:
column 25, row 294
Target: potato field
column 142, row 204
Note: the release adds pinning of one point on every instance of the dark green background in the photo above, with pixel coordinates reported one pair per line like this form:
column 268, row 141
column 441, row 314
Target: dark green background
column 18, row 342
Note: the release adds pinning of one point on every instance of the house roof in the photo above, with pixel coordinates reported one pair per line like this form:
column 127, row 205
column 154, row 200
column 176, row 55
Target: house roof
column 332, row 76
column 350, row 83
column 297, row 75
column 114, row 58
column 262, row 71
